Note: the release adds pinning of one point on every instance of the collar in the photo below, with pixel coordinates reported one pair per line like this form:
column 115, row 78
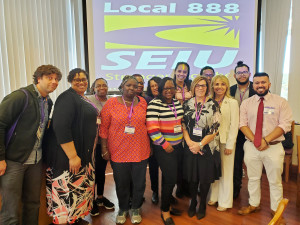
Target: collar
column 266, row 97
column 39, row 94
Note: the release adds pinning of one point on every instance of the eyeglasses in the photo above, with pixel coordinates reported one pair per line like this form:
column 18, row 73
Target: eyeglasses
column 198, row 86
column 169, row 89
column 141, row 83
column 208, row 75
column 101, row 86
column 242, row 72
column 78, row 80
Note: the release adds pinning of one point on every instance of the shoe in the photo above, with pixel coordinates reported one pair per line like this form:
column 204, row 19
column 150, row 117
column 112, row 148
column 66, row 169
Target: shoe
column 135, row 216
column 95, row 210
column 105, row 202
column 281, row 221
column 248, row 209
column 192, row 208
column 173, row 200
column 121, row 217
column 221, row 209
column 154, row 198
column 200, row 214
column 175, row 212
column 168, row 221
column 211, row 203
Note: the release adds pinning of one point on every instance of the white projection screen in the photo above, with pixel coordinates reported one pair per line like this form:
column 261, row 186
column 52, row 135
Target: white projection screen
column 149, row 37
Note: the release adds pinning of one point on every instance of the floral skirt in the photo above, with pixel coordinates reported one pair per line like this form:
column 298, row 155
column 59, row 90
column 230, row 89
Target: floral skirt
column 70, row 196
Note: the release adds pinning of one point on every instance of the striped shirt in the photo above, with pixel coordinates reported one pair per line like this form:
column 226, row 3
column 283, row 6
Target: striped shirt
column 161, row 121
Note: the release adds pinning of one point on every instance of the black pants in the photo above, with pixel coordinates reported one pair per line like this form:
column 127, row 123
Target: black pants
column 204, row 188
column 238, row 162
column 153, row 171
column 100, row 167
column 168, row 163
column 123, row 174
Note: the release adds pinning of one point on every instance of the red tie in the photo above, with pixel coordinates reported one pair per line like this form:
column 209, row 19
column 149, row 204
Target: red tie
column 259, row 123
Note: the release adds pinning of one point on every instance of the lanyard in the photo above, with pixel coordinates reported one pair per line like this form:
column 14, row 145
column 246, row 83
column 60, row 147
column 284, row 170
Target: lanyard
column 242, row 96
column 197, row 117
column 183, row 95
column 96, row 96
column 89, row 101
column 131, row 110
column 219, row 102
column 173, row 110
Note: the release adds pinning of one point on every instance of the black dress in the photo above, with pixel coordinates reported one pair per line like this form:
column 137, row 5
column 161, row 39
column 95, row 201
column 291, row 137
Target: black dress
column 205, row 168
column 69, row 196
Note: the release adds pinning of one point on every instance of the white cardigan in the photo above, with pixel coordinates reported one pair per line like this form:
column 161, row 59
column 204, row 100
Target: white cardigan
column 229, row 126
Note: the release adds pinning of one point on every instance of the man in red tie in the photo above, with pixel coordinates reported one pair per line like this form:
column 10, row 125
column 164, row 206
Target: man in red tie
column 264, row 118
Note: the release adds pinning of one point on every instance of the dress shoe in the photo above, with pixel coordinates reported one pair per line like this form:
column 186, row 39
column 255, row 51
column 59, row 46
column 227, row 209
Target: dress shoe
column 211, row 203
column 192, row 208
column 248, row 209
column 168, row 221
column 221, row 209
column 281, row 221
column 175, row 212
column 200, row 214
column 154, row 198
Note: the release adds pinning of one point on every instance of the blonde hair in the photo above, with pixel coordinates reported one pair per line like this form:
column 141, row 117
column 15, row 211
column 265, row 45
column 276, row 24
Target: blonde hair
column 224, row 79
column 196, row 81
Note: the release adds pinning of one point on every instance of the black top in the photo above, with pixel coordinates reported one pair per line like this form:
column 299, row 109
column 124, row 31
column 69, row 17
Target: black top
column 234, row 87
column 74, row 119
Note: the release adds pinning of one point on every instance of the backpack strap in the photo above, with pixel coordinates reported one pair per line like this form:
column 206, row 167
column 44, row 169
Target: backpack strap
column 13, row 127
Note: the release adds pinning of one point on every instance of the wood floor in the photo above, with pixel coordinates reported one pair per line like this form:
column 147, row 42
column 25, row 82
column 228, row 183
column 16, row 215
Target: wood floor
column 151, row 213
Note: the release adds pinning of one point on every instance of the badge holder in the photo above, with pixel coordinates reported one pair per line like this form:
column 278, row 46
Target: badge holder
column 129, row 129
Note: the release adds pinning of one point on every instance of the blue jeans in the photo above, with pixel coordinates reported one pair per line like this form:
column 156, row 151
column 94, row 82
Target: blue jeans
column 20, row 182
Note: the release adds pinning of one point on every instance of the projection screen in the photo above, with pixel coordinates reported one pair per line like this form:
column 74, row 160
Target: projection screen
column 150, row 37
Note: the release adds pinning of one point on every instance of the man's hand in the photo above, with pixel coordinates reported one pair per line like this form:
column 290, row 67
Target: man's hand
column 263, row 146
column 169, row 149
column 227, row 151
column 2, row 167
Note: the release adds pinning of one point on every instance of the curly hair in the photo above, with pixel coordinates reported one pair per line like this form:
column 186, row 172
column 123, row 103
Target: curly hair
column 46, row 70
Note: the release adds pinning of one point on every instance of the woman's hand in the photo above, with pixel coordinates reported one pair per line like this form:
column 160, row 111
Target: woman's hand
column 169, row 149
column 227, row 151
column 106, row 155
column 195, row 148
column 74, row 164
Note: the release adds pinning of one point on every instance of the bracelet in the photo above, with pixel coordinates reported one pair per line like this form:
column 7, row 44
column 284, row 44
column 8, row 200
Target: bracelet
column 104, row 154
column 201, row 146
column 266, row 141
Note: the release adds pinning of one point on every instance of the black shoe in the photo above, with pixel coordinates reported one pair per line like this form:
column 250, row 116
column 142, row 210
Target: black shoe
column 200, row 213
column 175, row 212
column 154, row 198
column 173, row 200
column 105, row 202
column 192, row 208
column 168, row 221
column 95, row 210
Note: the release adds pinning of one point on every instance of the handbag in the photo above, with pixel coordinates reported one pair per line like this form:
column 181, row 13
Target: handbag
column 288, row 142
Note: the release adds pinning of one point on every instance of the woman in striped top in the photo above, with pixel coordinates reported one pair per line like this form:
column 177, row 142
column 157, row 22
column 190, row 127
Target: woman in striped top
column 164, row 116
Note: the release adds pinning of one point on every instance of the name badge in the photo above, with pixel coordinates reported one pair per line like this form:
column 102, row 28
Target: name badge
column 269, row 110
column 177, row 129
column 98, row 121
column 197, row 131
column 129, row 129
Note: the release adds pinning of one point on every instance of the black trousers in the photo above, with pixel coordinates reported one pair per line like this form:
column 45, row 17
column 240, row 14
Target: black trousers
column 123, row 174
column 238, row 162
column 153, row 171
column 100, row 167
column 168, row 163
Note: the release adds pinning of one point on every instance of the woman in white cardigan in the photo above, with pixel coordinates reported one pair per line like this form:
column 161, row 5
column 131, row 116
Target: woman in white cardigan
column 222, row 190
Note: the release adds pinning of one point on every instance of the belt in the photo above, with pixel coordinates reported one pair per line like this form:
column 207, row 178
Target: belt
column 274, row 142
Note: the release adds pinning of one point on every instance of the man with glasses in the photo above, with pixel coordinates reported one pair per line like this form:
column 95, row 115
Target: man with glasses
column 240, row 91
column 27, row 109
column 208, row 72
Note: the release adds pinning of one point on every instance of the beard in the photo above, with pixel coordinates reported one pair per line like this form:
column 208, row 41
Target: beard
column 242, row 83
column 262, row 94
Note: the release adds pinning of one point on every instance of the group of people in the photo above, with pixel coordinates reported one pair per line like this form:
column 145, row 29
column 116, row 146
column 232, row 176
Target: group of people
column 196, row 132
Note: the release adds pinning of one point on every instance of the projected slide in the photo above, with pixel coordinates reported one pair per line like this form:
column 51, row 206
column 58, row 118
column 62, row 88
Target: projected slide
column 150, row 37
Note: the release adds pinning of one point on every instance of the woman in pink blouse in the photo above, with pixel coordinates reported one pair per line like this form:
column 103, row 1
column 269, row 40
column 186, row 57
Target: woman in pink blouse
column 125, row 142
